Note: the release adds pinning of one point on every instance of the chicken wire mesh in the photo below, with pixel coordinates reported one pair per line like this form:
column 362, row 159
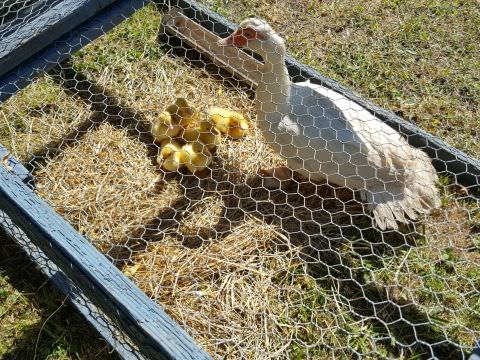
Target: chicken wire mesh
column 104, row 324
column 252, row 264
column 15, row 10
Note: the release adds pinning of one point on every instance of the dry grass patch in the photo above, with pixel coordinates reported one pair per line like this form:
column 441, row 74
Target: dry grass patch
column 37, row 116
column 232, row 294
column 102, row 185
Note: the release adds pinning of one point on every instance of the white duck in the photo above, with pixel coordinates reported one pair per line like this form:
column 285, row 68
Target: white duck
column 324, row 135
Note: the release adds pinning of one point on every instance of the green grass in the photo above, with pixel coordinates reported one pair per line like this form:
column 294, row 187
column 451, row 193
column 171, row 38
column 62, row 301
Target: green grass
column 35, row 319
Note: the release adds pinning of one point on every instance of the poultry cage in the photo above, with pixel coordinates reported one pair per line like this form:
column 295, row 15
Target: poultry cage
column 215, row 264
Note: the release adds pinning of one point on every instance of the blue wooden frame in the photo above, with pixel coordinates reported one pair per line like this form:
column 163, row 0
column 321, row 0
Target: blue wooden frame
column 14, row 165
column 93, row 284
column 77, row 297
column 64, row 45
column 27, row 35
column 147, row 325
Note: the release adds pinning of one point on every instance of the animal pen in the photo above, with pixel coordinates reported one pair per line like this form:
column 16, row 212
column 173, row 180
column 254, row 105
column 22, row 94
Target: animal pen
column 213, row 265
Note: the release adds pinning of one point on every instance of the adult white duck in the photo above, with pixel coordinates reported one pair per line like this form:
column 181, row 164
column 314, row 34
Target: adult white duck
column 325, row 136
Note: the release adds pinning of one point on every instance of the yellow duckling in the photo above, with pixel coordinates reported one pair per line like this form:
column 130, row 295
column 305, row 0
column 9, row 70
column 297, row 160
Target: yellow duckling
column 163, row 128
column 183, row 113
column 209, row 135
column 206, row 133
column 221, row 118
column 229, row 122
column 239, row 130
column 190, row 135
column 170, row 157
column 195, row 156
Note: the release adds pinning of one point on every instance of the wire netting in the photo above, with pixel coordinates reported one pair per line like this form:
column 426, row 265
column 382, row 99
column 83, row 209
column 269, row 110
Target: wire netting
column 256, row 264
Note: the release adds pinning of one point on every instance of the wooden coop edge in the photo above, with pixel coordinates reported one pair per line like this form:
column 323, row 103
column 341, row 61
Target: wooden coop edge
column 147, row 325
column 41, row 26
column 236, row 61
column 14, row 166
column 75, row 295
column 201, row 20
column 65, row 44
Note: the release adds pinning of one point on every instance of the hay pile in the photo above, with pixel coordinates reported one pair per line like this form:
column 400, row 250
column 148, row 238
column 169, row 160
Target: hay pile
column 102, row 185
column 212, row 251
column 230, row 294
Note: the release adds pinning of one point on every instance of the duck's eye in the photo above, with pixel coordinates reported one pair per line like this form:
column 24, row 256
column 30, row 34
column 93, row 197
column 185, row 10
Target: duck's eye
column 249, row 33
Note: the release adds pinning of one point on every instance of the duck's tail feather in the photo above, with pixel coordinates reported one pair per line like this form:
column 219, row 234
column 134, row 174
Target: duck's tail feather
column 402, row 200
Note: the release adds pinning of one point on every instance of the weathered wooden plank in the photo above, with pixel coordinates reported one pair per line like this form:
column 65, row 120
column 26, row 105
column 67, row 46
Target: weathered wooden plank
column 465, row 169
column 14, row 166
column 65, row 46
column 76, row 296
column 26, row 36
column 152, row 331
column 237, row 62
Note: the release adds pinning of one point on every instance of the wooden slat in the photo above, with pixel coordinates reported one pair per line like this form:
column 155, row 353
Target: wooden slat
column 50, row 56
column 22, row 38
column 76, row 296
column 14, row 166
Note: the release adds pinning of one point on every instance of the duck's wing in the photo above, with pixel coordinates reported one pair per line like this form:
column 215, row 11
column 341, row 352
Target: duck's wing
column 396, row 179
column 326, row 126
column 355, row 128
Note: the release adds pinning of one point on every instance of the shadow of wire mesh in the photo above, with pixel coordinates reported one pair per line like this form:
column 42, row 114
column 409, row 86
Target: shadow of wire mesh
column 294, row 272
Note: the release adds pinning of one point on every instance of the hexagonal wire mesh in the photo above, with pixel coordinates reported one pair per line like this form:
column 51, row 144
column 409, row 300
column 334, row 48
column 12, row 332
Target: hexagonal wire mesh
column 381, row 261
column 104, row 324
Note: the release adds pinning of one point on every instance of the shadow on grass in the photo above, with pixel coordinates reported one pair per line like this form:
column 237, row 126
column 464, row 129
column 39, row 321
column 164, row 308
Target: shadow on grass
column 57, row 331
column 321, row 221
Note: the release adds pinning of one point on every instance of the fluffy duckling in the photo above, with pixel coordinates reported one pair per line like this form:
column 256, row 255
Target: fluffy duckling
column 209, row 135
column 195, row 156
column 221, row 118
column 163, row 128
column 206, row 133
column 190, row 135
column 170, row 157
column 183, row 113
column 239, row 130
column 229, row 122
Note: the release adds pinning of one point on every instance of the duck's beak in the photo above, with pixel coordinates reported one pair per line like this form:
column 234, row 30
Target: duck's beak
column 236, row 39
column 228, row 41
